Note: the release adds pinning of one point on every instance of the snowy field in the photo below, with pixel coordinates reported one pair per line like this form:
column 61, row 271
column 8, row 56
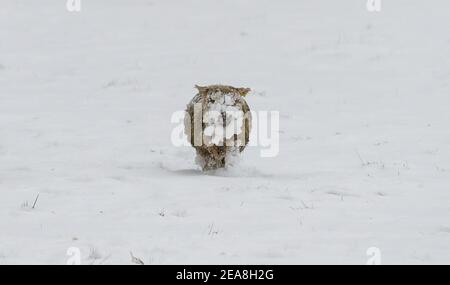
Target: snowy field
column 85, row 105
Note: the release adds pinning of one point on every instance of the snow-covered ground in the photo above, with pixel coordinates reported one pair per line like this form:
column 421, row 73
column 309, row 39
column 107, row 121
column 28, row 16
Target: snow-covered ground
column 85, row 105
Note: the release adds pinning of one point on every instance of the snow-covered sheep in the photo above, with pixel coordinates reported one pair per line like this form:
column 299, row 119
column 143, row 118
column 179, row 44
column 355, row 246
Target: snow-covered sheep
column 217, row 124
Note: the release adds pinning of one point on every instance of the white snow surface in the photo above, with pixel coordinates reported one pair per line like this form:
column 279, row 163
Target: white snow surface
column 85, row 105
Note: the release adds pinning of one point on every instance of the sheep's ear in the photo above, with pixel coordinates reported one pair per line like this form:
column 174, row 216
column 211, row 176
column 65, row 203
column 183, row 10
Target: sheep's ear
column 201, row 89
column 243, row 91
